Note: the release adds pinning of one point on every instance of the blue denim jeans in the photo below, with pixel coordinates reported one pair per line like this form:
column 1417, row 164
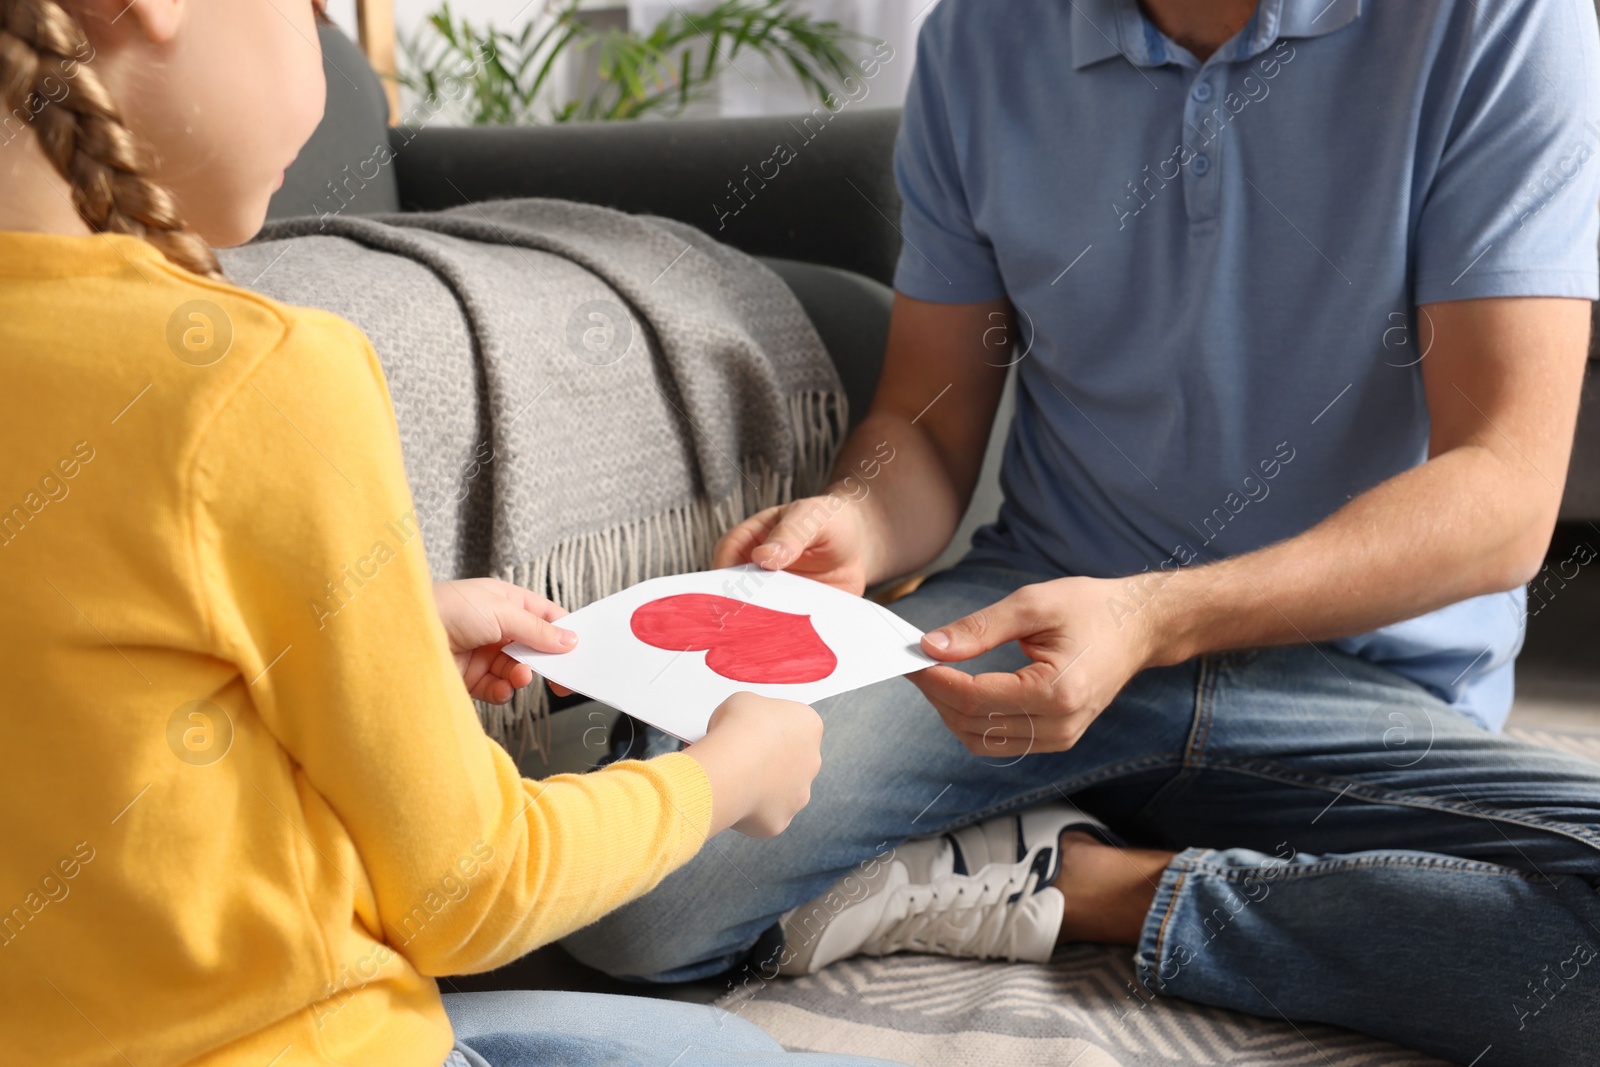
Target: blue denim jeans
column 544, row 1029
column 1350, row 849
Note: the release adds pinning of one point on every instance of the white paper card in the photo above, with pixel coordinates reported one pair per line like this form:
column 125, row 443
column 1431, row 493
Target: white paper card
column 669, row 650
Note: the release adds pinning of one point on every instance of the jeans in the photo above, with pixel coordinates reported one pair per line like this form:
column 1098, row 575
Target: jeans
column 1350, row 850
column 552, row 1029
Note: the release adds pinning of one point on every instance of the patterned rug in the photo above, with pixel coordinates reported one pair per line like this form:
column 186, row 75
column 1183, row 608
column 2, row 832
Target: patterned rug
column 1083, row 1009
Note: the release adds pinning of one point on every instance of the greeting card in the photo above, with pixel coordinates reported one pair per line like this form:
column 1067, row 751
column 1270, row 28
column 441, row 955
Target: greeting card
column 669, row 650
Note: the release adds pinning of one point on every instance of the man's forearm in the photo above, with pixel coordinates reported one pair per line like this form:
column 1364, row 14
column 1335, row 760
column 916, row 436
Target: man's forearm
column 892, row 471
column 1502, row 379
column 1461, row 525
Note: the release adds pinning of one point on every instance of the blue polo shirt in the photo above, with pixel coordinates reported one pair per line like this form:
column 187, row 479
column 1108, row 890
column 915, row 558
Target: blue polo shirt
column 1216, row 266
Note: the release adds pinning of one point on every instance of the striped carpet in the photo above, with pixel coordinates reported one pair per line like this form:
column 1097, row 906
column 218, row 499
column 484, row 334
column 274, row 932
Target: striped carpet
column 1083, row 1009
column 1080, row 1010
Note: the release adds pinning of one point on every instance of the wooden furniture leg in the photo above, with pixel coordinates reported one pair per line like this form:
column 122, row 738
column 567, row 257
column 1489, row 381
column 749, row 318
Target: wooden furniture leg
column 375, row 24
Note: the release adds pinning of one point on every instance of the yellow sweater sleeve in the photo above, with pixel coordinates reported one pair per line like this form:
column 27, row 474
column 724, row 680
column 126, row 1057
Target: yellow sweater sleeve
column 310, row 556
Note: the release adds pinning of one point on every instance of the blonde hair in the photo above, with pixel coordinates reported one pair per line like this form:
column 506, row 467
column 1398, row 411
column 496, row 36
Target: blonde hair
column 83, row 135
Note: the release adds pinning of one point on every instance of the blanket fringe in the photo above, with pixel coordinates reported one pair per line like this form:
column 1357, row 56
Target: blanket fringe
column 596, row 565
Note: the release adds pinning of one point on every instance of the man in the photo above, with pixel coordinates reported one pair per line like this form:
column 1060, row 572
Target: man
column 1297, row 299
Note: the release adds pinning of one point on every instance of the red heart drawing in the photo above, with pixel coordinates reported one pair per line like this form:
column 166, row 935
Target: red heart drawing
column 742, row 642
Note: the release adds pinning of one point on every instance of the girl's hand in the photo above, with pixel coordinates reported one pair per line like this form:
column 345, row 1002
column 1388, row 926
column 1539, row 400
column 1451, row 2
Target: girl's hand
column 761, row 755
column 821, row 537
column 481, row 616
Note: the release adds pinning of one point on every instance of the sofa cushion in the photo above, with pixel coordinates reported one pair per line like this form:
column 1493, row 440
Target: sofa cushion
column 851, row 313
column 832, row 199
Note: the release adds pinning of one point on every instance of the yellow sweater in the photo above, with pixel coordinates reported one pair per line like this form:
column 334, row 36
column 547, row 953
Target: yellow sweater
column 246, row 807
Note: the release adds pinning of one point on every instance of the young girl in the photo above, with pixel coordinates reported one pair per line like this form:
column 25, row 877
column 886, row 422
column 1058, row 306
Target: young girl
column 242, row 828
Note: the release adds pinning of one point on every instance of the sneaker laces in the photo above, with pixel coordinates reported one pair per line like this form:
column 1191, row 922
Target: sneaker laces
column 959, row 915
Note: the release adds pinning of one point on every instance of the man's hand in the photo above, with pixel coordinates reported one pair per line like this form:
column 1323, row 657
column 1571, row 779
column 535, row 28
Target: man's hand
column 1083, row 653
column 821, row 537
column 481, row 616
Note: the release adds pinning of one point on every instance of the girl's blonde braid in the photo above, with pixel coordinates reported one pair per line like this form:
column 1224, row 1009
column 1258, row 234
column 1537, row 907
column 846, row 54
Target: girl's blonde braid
column 81, row 131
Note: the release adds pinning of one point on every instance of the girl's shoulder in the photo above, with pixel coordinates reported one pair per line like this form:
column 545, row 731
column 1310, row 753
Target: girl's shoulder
column 106, row 332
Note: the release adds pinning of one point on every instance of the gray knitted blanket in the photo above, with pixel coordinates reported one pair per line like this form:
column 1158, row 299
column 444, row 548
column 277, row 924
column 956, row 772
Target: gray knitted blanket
column 586, row 399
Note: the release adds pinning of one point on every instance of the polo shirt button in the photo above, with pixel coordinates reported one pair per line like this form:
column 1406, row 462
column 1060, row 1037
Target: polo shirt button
column 1201, row 164
column 1201, row 91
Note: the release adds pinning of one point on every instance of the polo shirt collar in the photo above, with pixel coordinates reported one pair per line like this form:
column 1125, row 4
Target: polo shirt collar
column 1105, row 28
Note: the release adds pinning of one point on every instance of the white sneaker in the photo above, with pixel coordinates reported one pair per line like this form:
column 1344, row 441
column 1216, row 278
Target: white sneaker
column 981, row 892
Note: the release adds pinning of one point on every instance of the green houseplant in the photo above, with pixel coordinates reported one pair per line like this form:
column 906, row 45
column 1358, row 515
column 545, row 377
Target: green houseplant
column 506, row 74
